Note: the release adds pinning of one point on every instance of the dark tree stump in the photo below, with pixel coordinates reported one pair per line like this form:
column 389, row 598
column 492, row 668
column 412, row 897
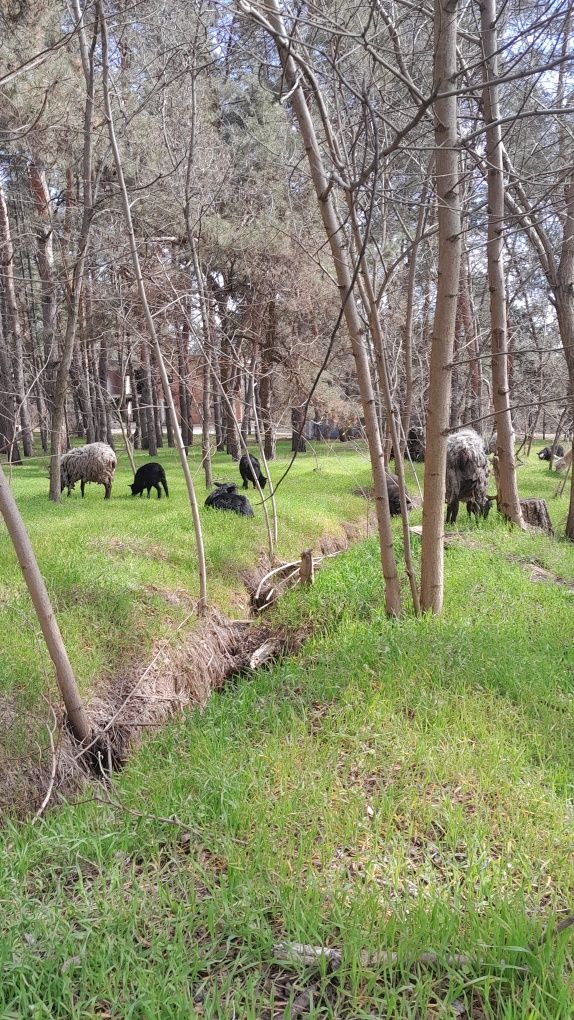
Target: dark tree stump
column 535, row 513
column 307, row 568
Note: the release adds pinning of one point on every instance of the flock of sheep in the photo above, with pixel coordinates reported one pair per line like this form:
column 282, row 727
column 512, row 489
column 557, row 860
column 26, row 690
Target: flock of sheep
column 96, row 462
column 467, row 472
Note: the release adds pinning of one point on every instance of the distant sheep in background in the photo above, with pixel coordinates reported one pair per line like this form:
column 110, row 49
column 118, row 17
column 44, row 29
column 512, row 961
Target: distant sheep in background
column 546, row 453
column 466, row 475
column 226, row 497
column 95, row 462
column 563, row 462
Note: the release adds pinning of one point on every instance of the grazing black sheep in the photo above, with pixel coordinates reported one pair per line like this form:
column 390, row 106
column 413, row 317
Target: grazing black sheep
column 466, row 475
column 226, row 497
column 250, row 470
column 546, row 453
column 393, row 494
column 149, row 476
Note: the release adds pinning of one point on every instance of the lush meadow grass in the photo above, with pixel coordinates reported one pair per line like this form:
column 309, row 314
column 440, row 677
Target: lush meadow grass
column 123, row 572
column 402, row 786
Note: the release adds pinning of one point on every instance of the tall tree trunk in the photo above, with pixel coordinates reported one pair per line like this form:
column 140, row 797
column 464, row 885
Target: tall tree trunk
column 184, row 408
column 150, row 440
column 205, row 449
column 509, row 499
column 138, row 418
column 298, row 444
column 339, row 251
column 565, row 313
column 77, row 280
column 8, row 443
column 407, row 409
column 156, row 406
column 266, row 381
column 247, row 405
column 45, row 256
column 449, row 234
column 202, row 603
column 14, row 328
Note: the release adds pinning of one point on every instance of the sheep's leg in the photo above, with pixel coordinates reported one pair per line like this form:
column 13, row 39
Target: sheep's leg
column 148, row 491
column 82, row 487
column 108, row 488
column 245, row 484
column 158, row 491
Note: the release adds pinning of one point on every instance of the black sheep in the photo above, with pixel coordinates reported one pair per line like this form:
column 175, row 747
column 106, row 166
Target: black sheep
column 546, row 453
column 226, row 497
column 149, row 476
column 249, row 470
column 393, row 495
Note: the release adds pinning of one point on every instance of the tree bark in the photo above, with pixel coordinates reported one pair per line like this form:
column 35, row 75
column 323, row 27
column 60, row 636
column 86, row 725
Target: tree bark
column 8, row 444
column 449, row 234
column 266, row 381
column 13, row 324
column 45, row 256
column 78, row 270
column 510, row 502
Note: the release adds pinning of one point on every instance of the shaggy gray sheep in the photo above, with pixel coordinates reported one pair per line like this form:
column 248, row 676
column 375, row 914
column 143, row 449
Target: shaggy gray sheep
column 466, row 475
column 563, row 462
column 95, row 462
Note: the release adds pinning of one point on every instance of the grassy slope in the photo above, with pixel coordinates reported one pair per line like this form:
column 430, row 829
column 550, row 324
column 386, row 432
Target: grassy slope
column 403, row 786
column 109, row 565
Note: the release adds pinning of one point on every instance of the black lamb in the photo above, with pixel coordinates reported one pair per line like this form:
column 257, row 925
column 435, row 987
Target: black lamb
column 466, row 475
column 394, row 498
column 250, row 470
column 546, row 453
column 226, row 497
column 149, row 476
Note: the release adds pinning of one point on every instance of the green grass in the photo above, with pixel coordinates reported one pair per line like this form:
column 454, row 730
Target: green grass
column 123, row 572
column 402, row 786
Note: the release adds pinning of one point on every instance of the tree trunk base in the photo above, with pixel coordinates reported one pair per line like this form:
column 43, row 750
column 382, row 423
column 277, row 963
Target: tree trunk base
column 535, row 514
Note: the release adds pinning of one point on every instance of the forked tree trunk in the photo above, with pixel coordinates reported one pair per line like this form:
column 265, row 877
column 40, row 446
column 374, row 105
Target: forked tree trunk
column 273, row 23
column 509, row 499
column 64, row 673
column 202, row 604
column 449, row 241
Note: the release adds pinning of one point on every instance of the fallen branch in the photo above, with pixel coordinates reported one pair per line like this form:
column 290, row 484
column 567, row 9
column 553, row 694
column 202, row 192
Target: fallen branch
column 48, row 794
column 310, row 956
